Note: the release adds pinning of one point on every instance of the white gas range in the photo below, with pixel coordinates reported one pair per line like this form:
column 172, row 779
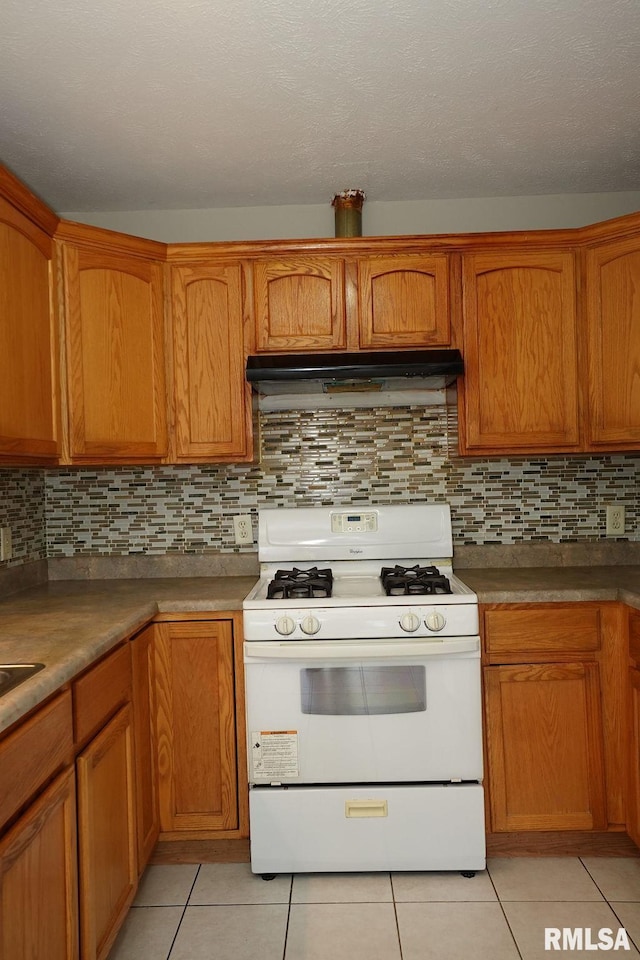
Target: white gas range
column 362, row 669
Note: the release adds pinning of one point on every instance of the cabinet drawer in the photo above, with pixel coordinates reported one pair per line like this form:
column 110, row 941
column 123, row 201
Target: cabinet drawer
column 541, row 632
column 634, row 636
column 100, row 692
column 33, row 753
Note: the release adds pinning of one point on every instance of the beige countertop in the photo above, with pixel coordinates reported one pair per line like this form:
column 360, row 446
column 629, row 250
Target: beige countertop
column 553, row 584
column 68, row 624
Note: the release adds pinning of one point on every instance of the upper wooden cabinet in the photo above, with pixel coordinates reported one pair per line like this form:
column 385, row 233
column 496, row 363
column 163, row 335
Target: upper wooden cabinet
column 338, row 302
column 114, row 323
column 28, row 342
column 212, row 397
column 613, row 330
column 299, row 303
column 403, row 301
column 520, row 389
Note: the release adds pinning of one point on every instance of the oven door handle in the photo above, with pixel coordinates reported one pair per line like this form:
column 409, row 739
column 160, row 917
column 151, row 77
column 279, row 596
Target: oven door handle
column 350, row 650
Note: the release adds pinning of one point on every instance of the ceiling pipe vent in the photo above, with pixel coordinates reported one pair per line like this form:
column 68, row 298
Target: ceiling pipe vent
column 348, row 212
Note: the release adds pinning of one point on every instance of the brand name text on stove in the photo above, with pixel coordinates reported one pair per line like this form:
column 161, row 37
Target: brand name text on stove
column 584, row 938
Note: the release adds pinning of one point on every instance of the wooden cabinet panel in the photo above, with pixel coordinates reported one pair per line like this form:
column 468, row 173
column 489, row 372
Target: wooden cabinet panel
column 115, row 356
column 542, row 631
column 197, row 755
column 633, row 778
column 212, row 397
column 299, row 303
column 28, row 342
column 148, row 823
column 613, row 322
column 544, row 742
column 33, row 753
column 38, row 879
column 107, row 838
column 634, row 636
column 404, row 301
column 520, row 390
column 98, row 694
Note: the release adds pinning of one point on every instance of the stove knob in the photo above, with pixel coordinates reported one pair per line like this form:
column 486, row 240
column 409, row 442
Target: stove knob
column 435, row 620
column 285, row 626
column 310, row 625
column 409, row 622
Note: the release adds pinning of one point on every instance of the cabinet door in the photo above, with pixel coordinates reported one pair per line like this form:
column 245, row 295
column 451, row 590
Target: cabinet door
column 633, row 781
column 28, row 347
column 107, row 835
column 544, row 742
column 520, row 388
column 299, row 304
column 147, row 820
column 115, row 357
column 197, row 763
column 404, row 301
column 38, row 879
column 613, row 321
column 212, row 397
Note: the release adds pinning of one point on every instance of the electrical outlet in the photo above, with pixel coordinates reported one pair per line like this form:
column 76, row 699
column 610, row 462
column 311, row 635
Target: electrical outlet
column 6, row 549
column 242, row 529
column 615, row 520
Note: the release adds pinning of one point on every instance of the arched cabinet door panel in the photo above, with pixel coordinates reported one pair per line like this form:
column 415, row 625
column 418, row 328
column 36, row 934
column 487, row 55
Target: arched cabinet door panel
column 404, row 301
column 520, row 390
column 29, row 429
column 613, row 325
column 299, row 303
column 114, row 313
column 212, row 397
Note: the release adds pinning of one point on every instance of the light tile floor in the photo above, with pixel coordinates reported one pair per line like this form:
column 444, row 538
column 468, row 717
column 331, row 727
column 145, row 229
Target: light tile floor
column 223, row 912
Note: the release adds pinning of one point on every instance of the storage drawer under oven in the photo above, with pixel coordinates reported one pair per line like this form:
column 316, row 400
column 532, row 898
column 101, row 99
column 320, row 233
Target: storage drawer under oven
column 414, row 827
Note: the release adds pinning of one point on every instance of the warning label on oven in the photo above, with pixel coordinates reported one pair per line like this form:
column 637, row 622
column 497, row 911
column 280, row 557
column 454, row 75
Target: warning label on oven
column 274, row 754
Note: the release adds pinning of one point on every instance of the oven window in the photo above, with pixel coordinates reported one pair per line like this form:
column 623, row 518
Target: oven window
column 362, row 691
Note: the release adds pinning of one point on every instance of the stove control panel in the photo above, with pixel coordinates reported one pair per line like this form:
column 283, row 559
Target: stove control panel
column 354, row 522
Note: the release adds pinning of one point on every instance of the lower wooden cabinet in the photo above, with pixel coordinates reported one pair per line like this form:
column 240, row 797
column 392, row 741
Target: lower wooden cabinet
column 633, row 780
column 143, row 675
column 107, row 835
column 196, row 727
column 555, row 695
column 544, row 744
column 38, row 878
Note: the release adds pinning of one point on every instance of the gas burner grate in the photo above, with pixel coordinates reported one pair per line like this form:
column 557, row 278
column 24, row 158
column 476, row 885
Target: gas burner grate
column 297, row 584
column 405, row 581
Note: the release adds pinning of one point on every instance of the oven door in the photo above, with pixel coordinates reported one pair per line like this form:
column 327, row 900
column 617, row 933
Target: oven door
column 363, row 711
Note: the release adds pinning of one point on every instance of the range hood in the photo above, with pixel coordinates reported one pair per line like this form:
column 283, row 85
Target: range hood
column 320, row 380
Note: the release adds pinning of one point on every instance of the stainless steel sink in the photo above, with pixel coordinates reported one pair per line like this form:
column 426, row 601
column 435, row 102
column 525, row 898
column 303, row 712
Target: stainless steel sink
column 11, row 674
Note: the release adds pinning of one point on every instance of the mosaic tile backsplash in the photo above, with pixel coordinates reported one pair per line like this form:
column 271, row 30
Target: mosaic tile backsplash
column 346, row 457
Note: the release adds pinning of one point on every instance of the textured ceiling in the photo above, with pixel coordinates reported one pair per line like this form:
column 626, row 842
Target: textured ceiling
column 159, row 104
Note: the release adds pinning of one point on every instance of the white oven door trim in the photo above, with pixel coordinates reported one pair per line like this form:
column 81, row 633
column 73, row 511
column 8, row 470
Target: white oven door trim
column 263, row 651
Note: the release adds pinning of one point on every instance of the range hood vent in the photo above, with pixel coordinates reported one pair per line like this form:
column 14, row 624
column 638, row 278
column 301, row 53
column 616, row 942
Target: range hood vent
column 324, row 380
